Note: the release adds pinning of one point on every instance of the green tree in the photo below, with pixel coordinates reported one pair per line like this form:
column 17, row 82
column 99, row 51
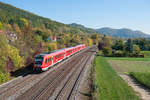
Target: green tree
column 119, row 45
column 1, row 25
column 136, row 50
column 96, row 38
column 107, row 40
column 129, row 46
column 15, row 57
column 107, row 51
column 52, row 46
column 22, row 22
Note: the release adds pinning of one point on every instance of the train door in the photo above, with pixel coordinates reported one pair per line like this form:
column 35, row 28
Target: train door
column 52, row 60
column 46, row 63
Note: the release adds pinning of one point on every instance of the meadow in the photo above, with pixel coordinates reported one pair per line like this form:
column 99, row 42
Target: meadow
column 110, row 85
column 126, row 65
column 138, row 68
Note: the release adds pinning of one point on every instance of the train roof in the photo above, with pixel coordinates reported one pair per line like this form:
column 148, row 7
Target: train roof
column 50, row 53
column 56, row 51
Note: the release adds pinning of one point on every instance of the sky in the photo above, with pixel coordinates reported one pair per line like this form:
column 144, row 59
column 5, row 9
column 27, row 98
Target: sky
column 133, row 14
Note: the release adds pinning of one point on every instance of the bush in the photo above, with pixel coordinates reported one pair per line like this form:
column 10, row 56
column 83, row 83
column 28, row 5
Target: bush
column 137, row 55
column 142, row 55
column 107, row 51
column 15, row 57
column 119, row 53
column 3, row 77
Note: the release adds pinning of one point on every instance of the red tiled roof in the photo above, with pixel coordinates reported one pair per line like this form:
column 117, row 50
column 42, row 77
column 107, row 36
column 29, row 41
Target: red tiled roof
column 1, row 31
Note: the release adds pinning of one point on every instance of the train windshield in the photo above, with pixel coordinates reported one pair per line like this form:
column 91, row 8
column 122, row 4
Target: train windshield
column 38, row 60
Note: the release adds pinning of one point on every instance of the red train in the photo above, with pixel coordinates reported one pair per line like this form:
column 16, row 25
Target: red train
column 46, row 60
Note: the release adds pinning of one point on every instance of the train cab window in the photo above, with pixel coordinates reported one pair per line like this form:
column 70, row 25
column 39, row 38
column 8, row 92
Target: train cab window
column 45, row 61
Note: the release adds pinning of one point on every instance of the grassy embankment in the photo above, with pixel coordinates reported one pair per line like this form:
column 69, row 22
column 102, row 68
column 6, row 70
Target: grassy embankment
column 110, row 85
column 143, row 78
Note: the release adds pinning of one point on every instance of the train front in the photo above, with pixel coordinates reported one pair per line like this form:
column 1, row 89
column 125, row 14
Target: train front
column 38, row 61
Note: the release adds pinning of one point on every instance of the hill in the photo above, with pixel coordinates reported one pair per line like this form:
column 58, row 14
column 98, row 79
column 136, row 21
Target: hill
column 83, row 28
column 122, row 33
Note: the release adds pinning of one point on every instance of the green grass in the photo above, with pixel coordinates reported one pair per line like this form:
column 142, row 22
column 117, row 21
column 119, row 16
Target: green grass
column 147, row 53
column 143, row 78
column 4, row 77
column 110, row 85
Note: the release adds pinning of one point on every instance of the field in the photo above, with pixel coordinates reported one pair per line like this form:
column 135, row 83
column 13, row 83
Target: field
column 127, row 65
column 110, row 85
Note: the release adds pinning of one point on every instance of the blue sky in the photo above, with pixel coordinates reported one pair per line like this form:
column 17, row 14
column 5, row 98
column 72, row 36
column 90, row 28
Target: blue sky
column 133, row 14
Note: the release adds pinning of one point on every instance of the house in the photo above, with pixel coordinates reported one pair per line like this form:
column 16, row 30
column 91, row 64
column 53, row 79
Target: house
column 52, row 38
column 1, row 32
column 11, row 36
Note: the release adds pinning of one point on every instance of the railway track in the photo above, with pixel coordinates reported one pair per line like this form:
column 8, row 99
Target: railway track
column 69, row 89
column 14, row 87
column 47, row 82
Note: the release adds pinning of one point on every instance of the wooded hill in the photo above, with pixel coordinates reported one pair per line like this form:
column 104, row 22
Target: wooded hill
column 121, row 33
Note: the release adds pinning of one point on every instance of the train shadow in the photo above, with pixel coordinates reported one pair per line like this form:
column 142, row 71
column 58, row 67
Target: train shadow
column 24, row 71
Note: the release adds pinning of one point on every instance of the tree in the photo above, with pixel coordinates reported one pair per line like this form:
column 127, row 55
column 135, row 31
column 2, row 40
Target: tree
column 1, row 26
column 129, row 46
column 101, row 45
column 52, row 46
column 119, row 45
column 22, row 22
column 96, row 38
column 8, row 51
column 107, row 40
column 89, row 41
column 15, row 57
column 107, row 51
column 136, row 50
column 16, row 28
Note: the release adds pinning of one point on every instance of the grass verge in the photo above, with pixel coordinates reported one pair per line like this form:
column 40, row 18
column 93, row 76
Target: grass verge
column 4, row 77
column 110, row 85
column 142, row 78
